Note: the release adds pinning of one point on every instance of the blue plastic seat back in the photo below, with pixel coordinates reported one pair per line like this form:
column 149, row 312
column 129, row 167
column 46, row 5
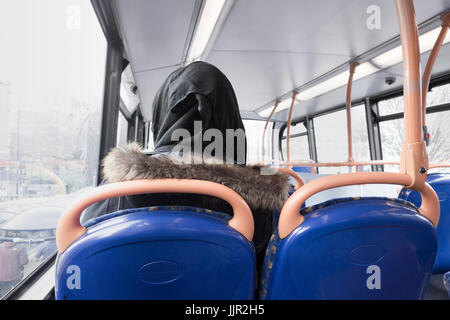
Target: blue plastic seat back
column 373, row 248
column 158, row 253
column 440, row 182
column 302, row 169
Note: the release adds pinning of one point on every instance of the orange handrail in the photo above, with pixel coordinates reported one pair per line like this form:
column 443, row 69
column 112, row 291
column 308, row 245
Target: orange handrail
column 353, row 164
column 414, row 158
column 340, row 164
column 299, row 181
column 69, row 228
column 429, row 67
column 440, row 165
column 265, row 128
column 288, row 132
column 281, row 162
column 348, row 106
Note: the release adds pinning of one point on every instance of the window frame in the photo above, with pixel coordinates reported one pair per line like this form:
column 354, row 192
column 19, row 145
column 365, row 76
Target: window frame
column 377, row 119
column 295, row 135
column 373, row 119
column 111, row 105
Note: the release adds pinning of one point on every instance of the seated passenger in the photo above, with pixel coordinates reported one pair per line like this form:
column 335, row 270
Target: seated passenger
column 198, row 134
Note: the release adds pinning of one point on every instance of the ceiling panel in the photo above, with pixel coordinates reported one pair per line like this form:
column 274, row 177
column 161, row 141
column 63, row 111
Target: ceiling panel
column 325, row 26
column 366, row 87
column 268, row 48
column 259, row 77
column 148, row 83
column 155, row 31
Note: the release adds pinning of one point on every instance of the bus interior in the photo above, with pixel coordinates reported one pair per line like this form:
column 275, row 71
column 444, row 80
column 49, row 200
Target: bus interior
column 350, row 99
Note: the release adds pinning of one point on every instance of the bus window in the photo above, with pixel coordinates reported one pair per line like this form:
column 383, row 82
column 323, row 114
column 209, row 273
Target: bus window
column 331, row 140
column 299, row 147
column 391, row 131
column 122, row 130
column 438, row 95
column 437, row 123
column 391, row 134
column 253, row 132
column 438, row 148
column 51, row 90
column 390, row 106
column 128, row 91
column 360, row 139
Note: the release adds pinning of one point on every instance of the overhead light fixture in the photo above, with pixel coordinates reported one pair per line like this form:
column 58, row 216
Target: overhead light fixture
column 361, row 71
column 208, row 19
column 323, row 87
column 428, row 39
column 389, row 58
column 383, row 61
column 283, row 105
column 394, row 56
column 337, row 81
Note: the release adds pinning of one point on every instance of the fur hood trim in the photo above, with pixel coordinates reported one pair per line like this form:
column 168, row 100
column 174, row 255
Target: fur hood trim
column 261, row 192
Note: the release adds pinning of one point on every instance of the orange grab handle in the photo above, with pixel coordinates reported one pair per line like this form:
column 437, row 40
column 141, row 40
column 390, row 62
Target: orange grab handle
column 69, row 228
column 291, row 219
column 299, row 181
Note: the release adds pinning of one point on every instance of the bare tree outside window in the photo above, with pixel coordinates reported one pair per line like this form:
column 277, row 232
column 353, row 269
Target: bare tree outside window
column 392, row 132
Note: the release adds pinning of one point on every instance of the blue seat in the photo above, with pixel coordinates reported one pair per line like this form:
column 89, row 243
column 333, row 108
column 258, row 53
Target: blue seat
column 440, row 182
column 158, row 253
column 373, row 248
column 302, row 169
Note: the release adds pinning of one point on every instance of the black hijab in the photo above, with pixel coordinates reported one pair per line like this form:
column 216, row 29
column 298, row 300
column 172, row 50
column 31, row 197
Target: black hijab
column 197, row 92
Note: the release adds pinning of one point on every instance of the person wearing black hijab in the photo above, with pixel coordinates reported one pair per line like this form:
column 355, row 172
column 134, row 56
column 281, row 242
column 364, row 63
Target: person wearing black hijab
column 196, row 94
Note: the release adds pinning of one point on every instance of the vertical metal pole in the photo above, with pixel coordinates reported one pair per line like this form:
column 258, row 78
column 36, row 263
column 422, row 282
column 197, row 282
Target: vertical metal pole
column 265, row 128
column 373, row 133
column 312, row 143
column 136, row 127
column 280, row 141
column 348, row 106
column 111, row 100
column 412, row 83
column 274, row 139
column 131, row 132
column 414, row 157
column 139, row 135
column 288, row 133
column 311, row 139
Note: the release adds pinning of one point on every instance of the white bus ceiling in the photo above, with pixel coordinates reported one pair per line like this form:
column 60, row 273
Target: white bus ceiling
column 269, row 48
